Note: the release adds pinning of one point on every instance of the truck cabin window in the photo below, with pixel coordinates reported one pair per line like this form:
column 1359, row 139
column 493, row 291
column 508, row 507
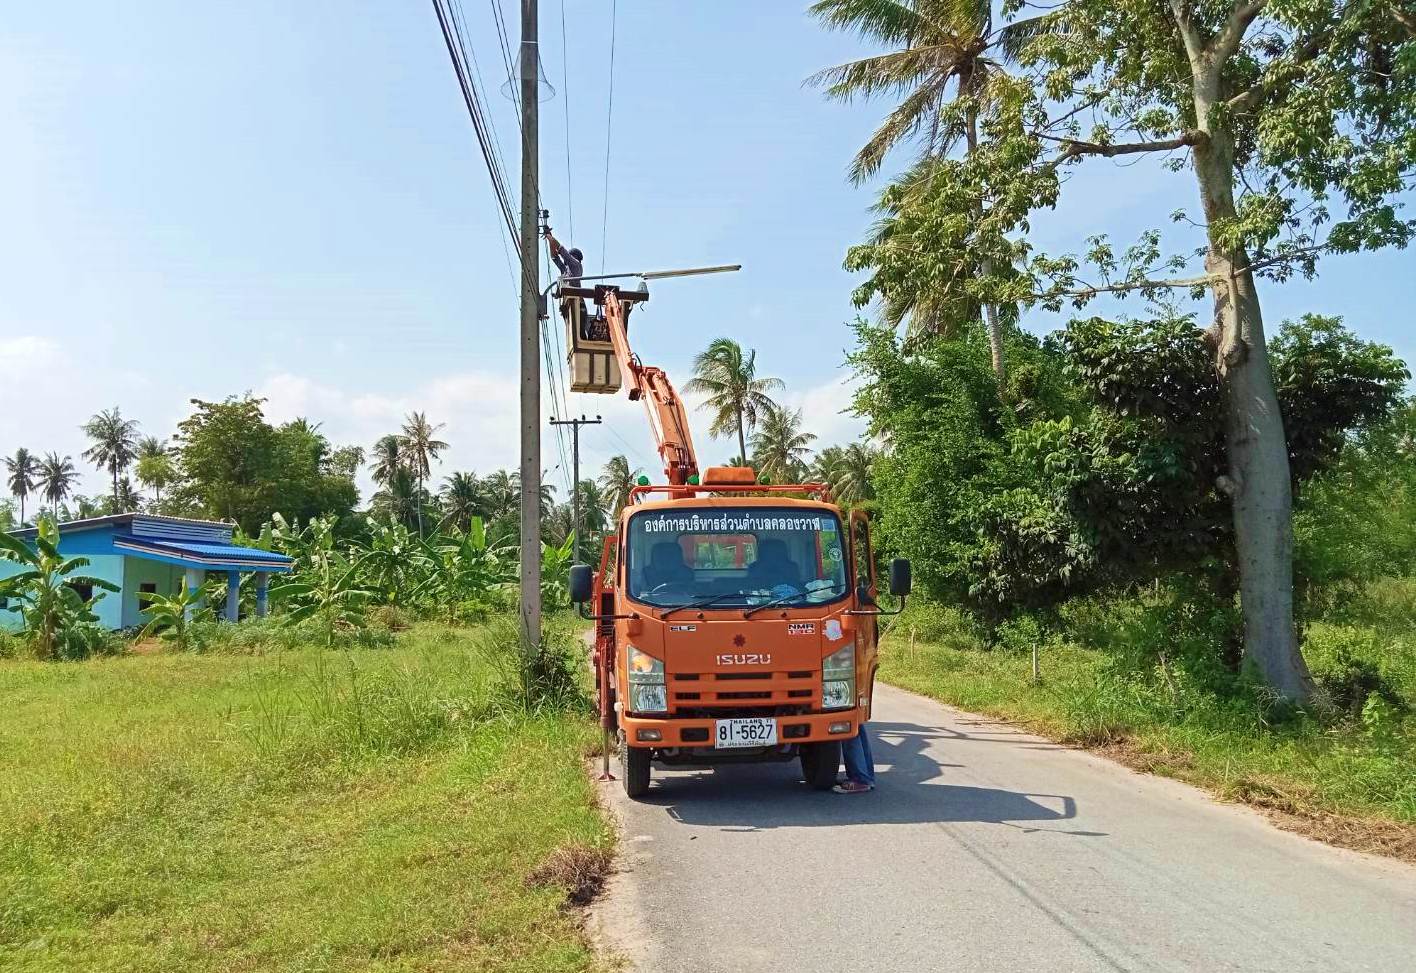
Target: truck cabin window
column 736, row 557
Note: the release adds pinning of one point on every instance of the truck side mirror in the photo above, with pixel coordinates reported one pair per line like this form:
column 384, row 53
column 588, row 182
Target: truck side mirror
column 900, row 578
column 582, row 582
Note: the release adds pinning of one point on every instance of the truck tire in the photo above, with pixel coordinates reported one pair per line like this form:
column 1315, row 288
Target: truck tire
column 634, row 770
column 819, row 764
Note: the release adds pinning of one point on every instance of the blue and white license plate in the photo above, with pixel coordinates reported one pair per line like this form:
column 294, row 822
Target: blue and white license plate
column 756, row 731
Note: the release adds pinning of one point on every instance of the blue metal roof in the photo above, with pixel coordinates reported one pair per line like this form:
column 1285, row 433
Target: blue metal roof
column 197, row 554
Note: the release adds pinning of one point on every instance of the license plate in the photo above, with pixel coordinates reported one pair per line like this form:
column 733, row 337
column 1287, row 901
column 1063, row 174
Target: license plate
column 754, row 732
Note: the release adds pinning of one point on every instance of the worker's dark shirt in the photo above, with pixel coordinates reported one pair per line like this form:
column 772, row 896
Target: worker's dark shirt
column 571, row 269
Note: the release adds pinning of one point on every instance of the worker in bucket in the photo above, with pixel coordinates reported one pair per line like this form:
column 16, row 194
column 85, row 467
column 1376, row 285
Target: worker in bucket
column 571, row 263
column 860, row 765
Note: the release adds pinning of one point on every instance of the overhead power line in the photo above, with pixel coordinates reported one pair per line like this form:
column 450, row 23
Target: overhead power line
column 609, row 118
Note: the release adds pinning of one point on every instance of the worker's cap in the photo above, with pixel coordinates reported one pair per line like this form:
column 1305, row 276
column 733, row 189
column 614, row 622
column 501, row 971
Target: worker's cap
column 575, row 252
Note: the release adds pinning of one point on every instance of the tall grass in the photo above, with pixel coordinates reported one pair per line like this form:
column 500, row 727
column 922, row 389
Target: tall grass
column 301, row 809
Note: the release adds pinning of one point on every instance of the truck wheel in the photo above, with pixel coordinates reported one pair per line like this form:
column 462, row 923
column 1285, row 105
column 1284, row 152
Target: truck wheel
column 634, row 769
column 819, row 764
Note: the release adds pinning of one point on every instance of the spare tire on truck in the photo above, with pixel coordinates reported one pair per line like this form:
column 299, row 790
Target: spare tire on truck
column 820, row 763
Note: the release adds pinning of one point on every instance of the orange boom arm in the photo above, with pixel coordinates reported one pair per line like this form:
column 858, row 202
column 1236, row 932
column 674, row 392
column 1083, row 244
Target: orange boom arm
column 667, row 417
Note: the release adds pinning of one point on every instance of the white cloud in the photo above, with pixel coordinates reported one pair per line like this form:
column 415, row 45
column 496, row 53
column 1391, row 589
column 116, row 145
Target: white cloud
column 26, row 351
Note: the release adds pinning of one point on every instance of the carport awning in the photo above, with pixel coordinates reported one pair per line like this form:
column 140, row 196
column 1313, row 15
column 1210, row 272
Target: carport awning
column 212, row 557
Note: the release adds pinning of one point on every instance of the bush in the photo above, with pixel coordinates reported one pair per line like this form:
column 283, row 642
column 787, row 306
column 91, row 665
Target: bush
column 1346, row 665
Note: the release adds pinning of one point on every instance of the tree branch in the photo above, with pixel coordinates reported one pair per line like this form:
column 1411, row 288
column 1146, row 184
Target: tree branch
column 1071, row 148
column 1227, row 42
column 1310, row 48
column 1203, row 280
column 1404, row 19
column 1194, row 45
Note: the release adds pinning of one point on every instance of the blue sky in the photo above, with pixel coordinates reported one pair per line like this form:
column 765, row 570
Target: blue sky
column 203, row 199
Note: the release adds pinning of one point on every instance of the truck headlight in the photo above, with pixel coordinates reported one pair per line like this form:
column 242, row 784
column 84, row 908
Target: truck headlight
column 837, row 693
column 840, row 664
column 647, row 692
column 643, row 667
column 838, row 678
column 648, row 698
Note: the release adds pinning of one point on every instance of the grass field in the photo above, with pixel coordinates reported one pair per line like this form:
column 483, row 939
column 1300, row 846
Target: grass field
column 378, row 809
column 1348, row 779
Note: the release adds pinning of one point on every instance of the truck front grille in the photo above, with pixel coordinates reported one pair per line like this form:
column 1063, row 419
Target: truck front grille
column 795, row 688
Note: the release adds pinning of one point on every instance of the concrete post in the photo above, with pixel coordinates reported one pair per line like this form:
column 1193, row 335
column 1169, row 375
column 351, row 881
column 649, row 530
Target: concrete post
column 195, row 577
column 233, row 595
column 262, row 594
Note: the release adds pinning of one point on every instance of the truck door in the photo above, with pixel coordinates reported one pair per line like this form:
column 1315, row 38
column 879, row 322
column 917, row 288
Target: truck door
column 868, row 633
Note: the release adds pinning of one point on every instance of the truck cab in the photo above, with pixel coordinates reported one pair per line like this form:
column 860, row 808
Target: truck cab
column 734, row 627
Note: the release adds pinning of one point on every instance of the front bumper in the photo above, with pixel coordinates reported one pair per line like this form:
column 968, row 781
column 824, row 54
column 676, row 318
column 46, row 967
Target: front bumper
column 641, row 731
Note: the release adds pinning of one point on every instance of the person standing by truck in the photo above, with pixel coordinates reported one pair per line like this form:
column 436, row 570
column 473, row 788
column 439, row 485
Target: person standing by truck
column 860, row 765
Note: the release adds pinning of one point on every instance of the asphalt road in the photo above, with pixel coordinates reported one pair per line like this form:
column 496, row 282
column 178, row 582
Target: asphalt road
column 983, row 849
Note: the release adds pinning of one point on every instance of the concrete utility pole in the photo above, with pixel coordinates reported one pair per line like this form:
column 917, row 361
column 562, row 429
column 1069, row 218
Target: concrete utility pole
column 575, row 425
column 530, row 62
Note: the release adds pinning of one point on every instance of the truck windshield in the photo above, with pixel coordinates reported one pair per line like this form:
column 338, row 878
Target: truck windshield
column 736, row 556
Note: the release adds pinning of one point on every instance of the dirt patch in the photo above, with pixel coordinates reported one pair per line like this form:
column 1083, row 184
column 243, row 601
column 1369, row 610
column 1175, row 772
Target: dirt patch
column 149, row 646
column 579, row 869
column 1285, row 808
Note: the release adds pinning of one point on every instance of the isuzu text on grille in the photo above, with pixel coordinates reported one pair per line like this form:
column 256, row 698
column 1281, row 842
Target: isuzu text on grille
column 745, row 659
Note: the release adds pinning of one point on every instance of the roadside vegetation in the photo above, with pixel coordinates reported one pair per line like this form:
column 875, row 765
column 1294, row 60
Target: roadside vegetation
column 266, row 804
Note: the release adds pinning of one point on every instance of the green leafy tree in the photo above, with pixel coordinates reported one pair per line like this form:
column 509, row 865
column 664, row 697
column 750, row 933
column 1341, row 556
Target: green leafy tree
column 1298, row 121
column 21, row 471
column 226, row 451
column 56, row 479
column 420, row 448
column 115, row 445
column 57, row 618
column 780, row 445
column 736, row 395
column 7, row 515
column 346, row 461
column 616, row 480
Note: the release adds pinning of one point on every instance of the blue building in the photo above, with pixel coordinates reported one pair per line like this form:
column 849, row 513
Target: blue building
column 145, row 554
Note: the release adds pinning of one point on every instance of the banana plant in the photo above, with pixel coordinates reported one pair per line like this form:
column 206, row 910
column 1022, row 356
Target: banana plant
column 328, row 590
column 171, row 615
column 464, row 569
column 43, row 591
column 555, row 572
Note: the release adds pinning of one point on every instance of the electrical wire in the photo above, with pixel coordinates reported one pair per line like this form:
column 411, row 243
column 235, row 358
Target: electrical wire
column 565, row 104
column 609, row 118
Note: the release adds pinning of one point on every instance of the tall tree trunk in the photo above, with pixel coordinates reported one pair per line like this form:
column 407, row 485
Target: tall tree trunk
column 1257, row 482
column 985, row 267
column 742, row 441
column 420, row 506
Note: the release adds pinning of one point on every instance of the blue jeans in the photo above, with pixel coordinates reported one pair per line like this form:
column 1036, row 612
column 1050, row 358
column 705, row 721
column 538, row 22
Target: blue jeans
column 860, row 765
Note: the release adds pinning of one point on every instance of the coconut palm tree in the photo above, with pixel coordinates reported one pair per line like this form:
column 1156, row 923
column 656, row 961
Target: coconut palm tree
column 155, row 468
column 115, row 444
column 940, row 45
column 386, row 459
column 500, row 493
column 780, row 445
column 419, row 449
column 847, row 470
column 616, row 480
column 21, row 470
column 462, row 499
column 56, row 480
column 736, row 395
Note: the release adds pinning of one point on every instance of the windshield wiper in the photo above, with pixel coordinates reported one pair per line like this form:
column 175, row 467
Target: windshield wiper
column 706, row 602
column 785, row 598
